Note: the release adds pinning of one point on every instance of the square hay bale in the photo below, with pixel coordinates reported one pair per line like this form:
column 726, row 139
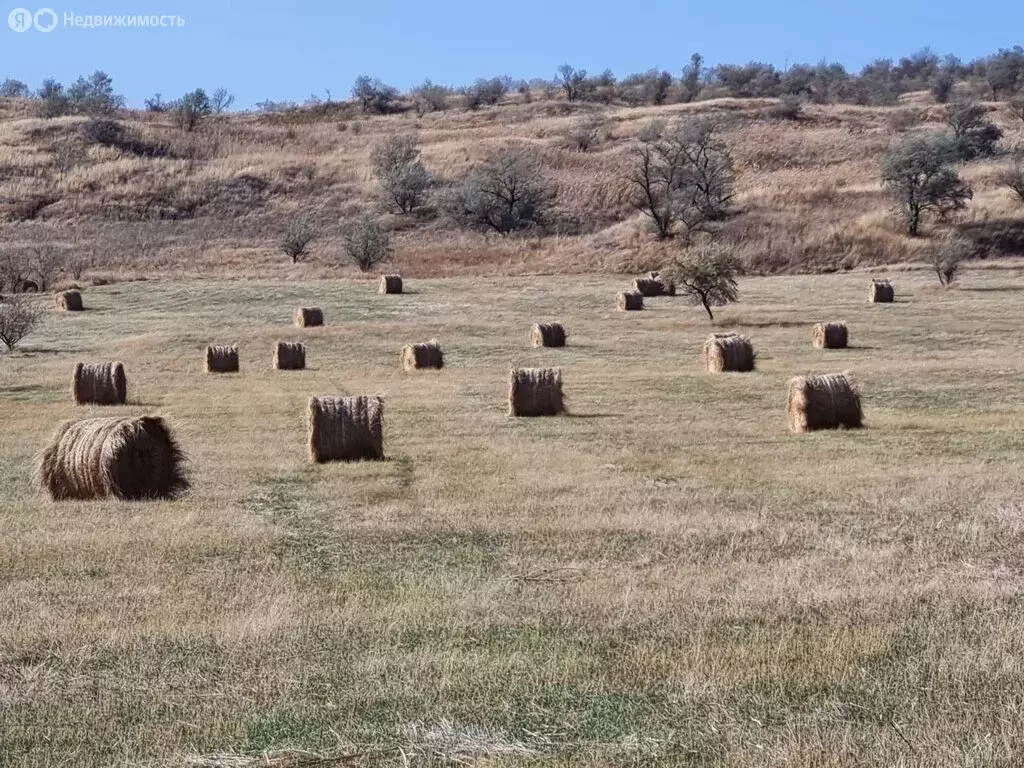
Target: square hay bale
column 390, row 284
column 629, row 301
column 308, row 317
column 346, row 428
column 69, row 301
column 289, row 356
column 828, row 401
column 548, row 335
column 829, row 336
column 728, row 352
column 99, row 384
column 427, row 355
column 131, row 458
column 222, row 359
column 881, row 292
column 535, row 392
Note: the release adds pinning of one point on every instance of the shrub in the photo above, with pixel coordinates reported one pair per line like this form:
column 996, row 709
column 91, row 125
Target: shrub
column 191, row 109
column 429, row 98
column 487, row 92
column 507, row 193
column 584, row 134
column 53, row 100
column 571, row 80
column 94, row 95
column 974, row 135
column 105, row 131
column 403, row 179
column 374, row 96
column 366, row 243
column 14, row 89
column 296, row 239
column 919, row 179
column 945, row 258
column 789, row 107
column 1012, row 174
column 18, row 318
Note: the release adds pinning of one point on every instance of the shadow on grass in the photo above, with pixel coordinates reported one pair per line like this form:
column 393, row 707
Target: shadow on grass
column 994, row 289
column 593, row 415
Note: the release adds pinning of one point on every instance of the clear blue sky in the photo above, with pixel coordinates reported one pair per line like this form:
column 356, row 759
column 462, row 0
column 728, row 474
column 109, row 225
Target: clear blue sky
column 288, row 50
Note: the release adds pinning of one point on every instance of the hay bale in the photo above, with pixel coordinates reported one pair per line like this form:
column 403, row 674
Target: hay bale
column 127, row 457
column 828, row 401
column 629, row 301
column 99, row 384
column 881, row 292
column 289, row 356
column 535, row 392
column 428, row 355
column 346, row 428
column 548, row 335
column 390, row 284
column 69, row 301
column 307, row 317
column 728, row 352
column 653, row 285
column 829, row 336
column 222, row 359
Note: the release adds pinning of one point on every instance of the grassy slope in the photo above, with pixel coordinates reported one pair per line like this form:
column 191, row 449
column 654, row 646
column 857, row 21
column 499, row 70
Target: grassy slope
column 808, row 191
column 666, row 574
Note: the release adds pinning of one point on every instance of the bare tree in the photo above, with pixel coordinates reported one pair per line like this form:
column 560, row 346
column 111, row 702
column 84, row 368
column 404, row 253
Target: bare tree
column 1011, row 175
column 46, row 262
column 296, row 239
column 945, row 258
column 221, row 100
column 681, row 176
column 19, row 316
column 572, row 81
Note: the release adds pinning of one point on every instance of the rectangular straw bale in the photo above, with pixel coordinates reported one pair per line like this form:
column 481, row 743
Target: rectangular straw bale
column 535, row 392
column 346, row 428
column 289, row 356
column 221, row 359
column 308, row 317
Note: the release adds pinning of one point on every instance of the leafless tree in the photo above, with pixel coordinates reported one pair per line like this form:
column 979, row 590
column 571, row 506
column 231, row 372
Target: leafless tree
column 19, row 316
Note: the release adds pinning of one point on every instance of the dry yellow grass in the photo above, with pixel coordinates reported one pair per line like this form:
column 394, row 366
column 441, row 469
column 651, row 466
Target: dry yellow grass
column 665, row 576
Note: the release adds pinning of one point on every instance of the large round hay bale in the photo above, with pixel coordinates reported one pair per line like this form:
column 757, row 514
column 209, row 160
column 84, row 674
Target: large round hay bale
column 69, row 301
column 548, row 335
column 131, row 457
column 881, row 292
column 346, row 428
column 828, row 401
column 390, row 284
column 535, row 392
column 99, row 384
column 307, row 317
column 427, row 355
column 629, row 301
column 728, row 352
column 829, row 336
column 289, row 356
column 221, row 359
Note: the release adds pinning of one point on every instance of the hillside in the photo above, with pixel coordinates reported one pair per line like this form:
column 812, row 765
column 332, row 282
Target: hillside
column 215, row 202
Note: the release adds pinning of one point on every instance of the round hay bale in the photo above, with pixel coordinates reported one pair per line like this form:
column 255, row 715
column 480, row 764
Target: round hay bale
column 289, row 356
column 390, row 284
column 828, row 401
column 629, row 301
column 829, row 336
column 535, row 392
column 346, row 428
column 881, row 292
column 130, row 458
column 222, row 359
column 728, row 352
column 69, row 301
column 99, row 384
column 308, row 317
column 548, row 335
column 417, row 356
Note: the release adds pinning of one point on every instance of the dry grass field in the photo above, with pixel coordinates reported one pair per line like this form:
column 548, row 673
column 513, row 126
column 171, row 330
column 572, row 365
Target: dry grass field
column 665, row 576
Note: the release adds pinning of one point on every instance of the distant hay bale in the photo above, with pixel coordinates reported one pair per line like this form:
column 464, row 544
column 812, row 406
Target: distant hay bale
column 307, row 317
column 221, row 359
column 728, row 352
column 881, row 292
column 828, row 401
column 289, row 356
column 629, row 301
column 128, row 457
column 654, row 285
column 535, row 392
column 548, row 335
column 829, row 336
column 69, row 301
column 346, row 428
column 390, row 284
column 428, row 355
column 99, row 384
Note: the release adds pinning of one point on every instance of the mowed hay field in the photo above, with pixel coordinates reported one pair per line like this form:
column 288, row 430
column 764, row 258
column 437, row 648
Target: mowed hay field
column 664, row 576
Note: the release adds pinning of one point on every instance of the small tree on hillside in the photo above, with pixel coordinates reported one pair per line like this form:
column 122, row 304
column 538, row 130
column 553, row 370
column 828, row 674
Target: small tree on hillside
column 584, row 134
column 1011, row 175
column 221, row 100
column 974, row 135
column 191, row 109
column 705, row 274
column 296, row 239
column 373, row 95
column 571, row 81
column 919, row 179
column 945, row 258
column 366, row 243
column 507, row 193
column 19, row 316
column 404, row 180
